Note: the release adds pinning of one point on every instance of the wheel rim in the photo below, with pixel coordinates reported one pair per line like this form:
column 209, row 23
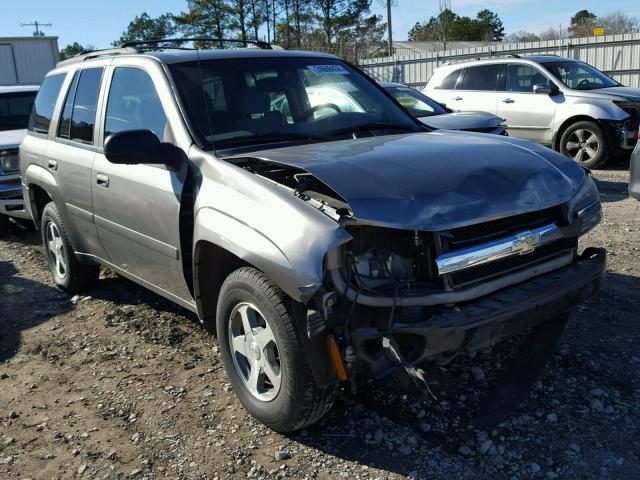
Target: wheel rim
column 254, row 351
column 583, row 145
column 56, row 251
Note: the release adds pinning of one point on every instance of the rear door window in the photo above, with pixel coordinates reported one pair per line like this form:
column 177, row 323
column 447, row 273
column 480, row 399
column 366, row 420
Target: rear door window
column 450, row 81
column 482, row 78
column 44, row 104
column 83, row 115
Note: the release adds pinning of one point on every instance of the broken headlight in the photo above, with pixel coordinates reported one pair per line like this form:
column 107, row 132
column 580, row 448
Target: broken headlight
column 9, row 162
column 585, row 205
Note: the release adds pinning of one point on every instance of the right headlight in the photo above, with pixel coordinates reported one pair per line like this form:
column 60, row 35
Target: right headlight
column 585, row 206
column 9, row 162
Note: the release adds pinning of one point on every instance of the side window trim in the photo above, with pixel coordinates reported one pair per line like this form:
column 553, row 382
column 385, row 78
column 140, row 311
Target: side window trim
column 62, row 100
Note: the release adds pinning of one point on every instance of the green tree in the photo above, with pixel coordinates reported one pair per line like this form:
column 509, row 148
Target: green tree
column 206, row 18
column 74, row 49
column 582, row 24
column 144, row 27
column 489, row 26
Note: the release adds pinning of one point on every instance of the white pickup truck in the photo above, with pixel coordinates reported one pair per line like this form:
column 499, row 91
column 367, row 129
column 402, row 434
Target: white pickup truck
column 15, row 107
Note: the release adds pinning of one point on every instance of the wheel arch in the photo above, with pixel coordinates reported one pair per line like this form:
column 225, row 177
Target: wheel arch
column 566, row 124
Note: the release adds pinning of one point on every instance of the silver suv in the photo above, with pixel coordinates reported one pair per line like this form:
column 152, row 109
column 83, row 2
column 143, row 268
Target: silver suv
column 562, row 103
column 315, row 242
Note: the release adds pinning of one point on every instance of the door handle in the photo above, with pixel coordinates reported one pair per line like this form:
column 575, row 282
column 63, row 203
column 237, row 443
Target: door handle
column 53, row 165
column 508, row 100
column 102, row 180
column 457, row 98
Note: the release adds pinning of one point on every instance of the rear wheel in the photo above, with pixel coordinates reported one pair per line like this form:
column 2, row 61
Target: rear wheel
column 264, row 356
column 585, row 142
column 68, row 274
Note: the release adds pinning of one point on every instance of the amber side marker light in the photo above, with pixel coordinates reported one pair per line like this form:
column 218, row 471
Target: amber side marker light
column 335, row 358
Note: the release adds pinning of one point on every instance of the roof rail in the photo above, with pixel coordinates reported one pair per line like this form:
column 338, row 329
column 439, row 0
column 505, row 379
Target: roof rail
column 150, row 43
column 89, row 54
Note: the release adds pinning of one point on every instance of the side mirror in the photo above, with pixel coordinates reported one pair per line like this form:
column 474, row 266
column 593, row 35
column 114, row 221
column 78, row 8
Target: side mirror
column 133, row 147
column 546, row 89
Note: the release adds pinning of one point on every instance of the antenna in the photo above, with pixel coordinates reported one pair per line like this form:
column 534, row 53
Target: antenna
column 37, row 33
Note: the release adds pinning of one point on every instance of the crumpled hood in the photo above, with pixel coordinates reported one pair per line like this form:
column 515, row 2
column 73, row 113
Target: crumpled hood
column 462, row 121
column 11, row 138
column 437, row 180
column 631, row 94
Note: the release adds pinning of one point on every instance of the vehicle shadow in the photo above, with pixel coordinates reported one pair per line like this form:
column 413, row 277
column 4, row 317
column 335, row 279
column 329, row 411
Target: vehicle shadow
column 365, row 428
column 17, row 292
column 611, row 191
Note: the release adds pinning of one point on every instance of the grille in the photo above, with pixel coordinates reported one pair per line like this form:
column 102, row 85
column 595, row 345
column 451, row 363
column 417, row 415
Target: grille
column 497, row 229
column 508, row 265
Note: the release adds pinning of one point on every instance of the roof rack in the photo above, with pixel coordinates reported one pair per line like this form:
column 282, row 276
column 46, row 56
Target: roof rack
column 149, row 43
column 89, row 54
column 140, row 46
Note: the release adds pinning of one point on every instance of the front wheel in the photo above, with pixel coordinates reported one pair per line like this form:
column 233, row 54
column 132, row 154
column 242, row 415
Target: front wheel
column 585, row 142
column 264, row 356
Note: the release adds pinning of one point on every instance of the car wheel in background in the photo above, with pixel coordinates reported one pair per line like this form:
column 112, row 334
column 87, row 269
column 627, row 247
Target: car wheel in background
column 263, row 353
column 585, row 143
column 68, row 273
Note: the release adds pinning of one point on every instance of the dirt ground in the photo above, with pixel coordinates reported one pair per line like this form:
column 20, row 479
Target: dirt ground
column 122, row 384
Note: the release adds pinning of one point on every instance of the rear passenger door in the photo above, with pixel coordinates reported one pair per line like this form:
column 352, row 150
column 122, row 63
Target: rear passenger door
column 69, row 158
column 528, row 115
column 477, row 89
column 137, row 207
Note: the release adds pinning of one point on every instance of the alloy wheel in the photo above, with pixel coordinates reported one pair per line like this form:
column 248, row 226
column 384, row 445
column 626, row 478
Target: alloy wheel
column 56, row 251
column 583, row 145
column 254, row 351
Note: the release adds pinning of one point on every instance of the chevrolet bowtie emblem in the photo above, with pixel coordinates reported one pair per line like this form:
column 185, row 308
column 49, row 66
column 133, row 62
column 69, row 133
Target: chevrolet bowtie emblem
column 525, row 242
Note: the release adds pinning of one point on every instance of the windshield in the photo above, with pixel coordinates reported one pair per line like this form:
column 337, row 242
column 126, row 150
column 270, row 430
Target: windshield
column 580, row 76
column 419, row 105
column 15, row 109
column 239, row 102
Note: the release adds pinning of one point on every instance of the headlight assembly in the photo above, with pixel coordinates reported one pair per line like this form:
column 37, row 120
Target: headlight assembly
column 585, row 206
column 9, row 162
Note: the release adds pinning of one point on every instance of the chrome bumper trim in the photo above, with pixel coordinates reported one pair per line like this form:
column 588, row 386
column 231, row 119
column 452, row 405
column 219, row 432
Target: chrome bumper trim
column 519, row 244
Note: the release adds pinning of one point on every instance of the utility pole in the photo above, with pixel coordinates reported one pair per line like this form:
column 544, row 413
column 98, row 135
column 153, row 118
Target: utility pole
column 37, row 33
column 389, row 29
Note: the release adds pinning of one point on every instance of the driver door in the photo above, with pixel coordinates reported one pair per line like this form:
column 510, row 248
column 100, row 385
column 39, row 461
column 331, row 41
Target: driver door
column 137, row 207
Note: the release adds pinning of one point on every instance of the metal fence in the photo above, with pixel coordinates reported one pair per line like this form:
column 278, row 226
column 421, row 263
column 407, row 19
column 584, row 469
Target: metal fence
column 616, row 55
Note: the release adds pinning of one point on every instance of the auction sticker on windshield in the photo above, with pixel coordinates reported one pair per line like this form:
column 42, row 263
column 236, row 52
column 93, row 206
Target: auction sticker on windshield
column 328, row 69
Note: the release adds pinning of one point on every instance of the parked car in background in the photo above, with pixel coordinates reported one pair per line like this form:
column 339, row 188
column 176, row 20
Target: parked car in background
column 634, row 181
column 559, row 102
column 437, row 115
column 316, row 239
column 15, row 106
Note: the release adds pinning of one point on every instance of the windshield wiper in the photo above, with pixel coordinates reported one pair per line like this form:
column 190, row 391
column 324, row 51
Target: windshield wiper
column 365, row 127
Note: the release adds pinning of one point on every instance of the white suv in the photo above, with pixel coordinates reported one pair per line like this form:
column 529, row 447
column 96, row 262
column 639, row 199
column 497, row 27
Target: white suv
column 563, row 103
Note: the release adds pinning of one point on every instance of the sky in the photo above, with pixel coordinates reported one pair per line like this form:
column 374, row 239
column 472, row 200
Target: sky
column 98, row 23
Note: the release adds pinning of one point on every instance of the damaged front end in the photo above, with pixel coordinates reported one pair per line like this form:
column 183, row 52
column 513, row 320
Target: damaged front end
column 437, row 278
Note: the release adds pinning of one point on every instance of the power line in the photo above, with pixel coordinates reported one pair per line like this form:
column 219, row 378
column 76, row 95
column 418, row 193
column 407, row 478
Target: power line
column 37, row 33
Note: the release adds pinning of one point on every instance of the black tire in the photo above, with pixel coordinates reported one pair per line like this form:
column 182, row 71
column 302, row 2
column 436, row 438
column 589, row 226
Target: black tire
column 299, row 401
column 585, row 142
column 4, row 225
column 75, row 276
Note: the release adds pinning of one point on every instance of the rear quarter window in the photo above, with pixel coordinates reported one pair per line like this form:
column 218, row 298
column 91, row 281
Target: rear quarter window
column 450, row 81
column 44, row 104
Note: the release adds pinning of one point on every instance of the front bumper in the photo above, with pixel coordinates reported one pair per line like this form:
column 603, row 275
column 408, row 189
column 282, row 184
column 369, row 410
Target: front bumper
column 621, row 136
column 482, row 323
column 11, row 199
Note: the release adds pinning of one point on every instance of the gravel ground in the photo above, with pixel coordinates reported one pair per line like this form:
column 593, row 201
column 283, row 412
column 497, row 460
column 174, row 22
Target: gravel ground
column 122, row 384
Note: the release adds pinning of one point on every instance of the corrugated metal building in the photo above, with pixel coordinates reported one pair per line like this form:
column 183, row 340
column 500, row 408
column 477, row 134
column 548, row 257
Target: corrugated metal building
column 26, row 60
column 616, row 55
